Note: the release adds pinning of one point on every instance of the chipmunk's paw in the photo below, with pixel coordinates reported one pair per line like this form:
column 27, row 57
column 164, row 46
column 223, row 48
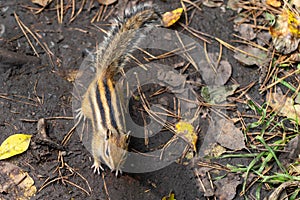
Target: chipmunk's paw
column 97, row 166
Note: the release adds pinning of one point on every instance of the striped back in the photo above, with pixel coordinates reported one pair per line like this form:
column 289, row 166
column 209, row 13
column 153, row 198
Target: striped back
column 101, row 104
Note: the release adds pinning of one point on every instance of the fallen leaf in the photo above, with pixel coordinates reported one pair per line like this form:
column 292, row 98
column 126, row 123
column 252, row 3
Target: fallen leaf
column 217, row 150
column 216, row 73
column 13, row 145
column 284, row 106
column 255, row 56
column 212, row 3
column 285, row 32
column 274, row 3
column 226, row 187
column 217, row 95
column 106, row 2
column 231, row 137
column 171, row 196
column 15, row 183
column 185, row 130
column 171, row 78
column 170, row 18
column 41, row 2
column 246, row 31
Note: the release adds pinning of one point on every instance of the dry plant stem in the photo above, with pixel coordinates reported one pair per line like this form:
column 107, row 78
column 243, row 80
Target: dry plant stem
column 210, row 180
column 282, row 78
column 14, row 100
column 69, row 134
column 44, row 46
column 185, row 52
column 196, row 33
column 192, row 3
column 256, row 179
column 73, row 9
column 250, row 43
column 105, row 17
column 59, row 10
column 146, row 106
column 200, row 182
column 41, row 101
column 105, row 187
column 79, row 11
column 98, row 14
column 232, row 48
column 208, row 59
column 185, row 12
column 270, row 73
column 216, row 166
column 139, row 63
column 244, row 90
column 25, row 33
column 241, row 119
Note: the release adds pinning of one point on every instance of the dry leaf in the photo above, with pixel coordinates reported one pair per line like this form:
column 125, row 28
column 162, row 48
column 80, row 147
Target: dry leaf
column 185, row 130
column 41, row 2
column 217, row 95
column 171, row 78
column 170, row 18
column 212, row 3
column 285, row 32
column 106, row 2
column 13, row 145
column 216, row 73
column 284, row 106
column 231, row 137
column 255, row 56
column 216, row 151
column 15, row 183
column 226, row 187
column 246, row 31
column 274, row 3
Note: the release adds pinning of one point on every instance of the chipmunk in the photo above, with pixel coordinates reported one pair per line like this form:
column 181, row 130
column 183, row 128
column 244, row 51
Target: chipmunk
column 101, row 101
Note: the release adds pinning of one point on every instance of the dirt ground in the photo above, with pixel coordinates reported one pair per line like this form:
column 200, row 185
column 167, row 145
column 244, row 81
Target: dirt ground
column 39, row 89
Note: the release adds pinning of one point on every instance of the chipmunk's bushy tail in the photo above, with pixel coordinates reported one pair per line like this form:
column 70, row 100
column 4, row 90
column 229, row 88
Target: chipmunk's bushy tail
column 123, row 37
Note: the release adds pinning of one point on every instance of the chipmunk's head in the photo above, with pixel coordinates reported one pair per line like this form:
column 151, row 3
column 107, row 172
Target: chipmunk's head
column 116, row 146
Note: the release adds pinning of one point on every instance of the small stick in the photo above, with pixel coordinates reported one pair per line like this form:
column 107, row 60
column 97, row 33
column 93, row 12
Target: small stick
column 14, row 58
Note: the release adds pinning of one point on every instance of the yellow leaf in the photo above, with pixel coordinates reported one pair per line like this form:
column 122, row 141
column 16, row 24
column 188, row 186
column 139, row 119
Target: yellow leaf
column 185, row 130
column 170, row 18
column 13, row 145
column 285, row 32
column 274, row 3
column 171, row 196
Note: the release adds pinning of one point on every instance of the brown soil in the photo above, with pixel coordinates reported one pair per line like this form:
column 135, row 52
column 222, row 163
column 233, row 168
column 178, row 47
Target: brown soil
column 39, row 90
